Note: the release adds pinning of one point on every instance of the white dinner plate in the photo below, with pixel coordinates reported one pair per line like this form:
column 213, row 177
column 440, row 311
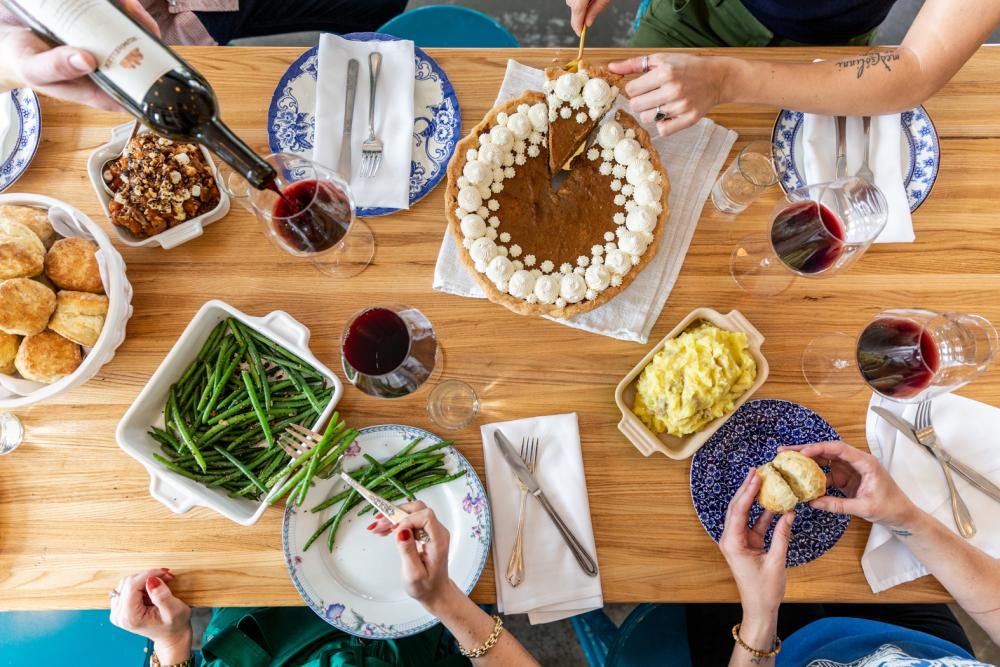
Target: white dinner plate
column 357, row 587
column 20, row 133
column 919, row 152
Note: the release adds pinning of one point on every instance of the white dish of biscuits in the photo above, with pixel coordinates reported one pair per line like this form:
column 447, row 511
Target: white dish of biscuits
column 64, row 298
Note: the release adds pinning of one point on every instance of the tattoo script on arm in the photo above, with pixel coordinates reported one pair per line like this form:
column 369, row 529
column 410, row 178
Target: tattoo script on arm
column 863, row 63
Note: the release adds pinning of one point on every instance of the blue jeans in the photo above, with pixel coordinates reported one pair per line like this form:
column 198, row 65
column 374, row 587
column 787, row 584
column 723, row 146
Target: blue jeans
column 272, row 17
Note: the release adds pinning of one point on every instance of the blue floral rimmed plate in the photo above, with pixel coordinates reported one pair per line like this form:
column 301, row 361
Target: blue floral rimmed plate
column 748, row 439
column 24, row 132
column 356, row 587
column 920, row 152
column 291, row 120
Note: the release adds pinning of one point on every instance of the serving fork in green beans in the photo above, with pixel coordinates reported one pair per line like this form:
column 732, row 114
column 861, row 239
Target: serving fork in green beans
column 225, row 414
column 398, row 477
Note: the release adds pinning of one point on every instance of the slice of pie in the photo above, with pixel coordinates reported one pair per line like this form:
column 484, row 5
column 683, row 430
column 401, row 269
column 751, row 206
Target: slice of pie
column 576, row 102
column 561, row 252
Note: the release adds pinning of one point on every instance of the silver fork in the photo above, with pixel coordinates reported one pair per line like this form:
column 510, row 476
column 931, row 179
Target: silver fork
column 865, row 171
column 297, row 440
column 926, row 436
column 371, row 148
column 515, row 568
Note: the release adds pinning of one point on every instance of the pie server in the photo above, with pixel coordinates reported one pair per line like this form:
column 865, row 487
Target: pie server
column 391, row 512
column 559, row 177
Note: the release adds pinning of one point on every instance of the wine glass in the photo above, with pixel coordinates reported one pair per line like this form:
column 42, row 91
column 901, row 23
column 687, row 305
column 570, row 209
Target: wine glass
column 905, row 355
column 307, row 211
column 821, row 230
column 388, row 351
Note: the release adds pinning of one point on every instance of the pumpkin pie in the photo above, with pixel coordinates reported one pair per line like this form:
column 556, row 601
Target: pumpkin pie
column 540, row 250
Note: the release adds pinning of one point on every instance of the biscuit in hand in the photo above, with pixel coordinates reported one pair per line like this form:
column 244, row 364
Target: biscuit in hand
column 788, row 479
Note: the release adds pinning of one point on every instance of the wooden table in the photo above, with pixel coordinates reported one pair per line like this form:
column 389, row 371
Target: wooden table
column 75, row 513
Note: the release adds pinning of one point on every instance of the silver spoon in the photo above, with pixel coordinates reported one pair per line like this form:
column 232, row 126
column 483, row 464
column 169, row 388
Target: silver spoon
column 106, row 167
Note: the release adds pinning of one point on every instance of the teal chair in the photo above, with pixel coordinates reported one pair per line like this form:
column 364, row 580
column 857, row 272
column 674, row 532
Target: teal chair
column 653, row 634
column 450, row 27
column 80, row 638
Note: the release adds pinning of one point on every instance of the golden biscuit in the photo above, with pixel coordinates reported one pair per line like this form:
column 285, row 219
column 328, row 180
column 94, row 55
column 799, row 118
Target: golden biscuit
column 25, row 306
column 804, row 475
column 35, row 219
column 22, row 254
column 71, row 264
column 79, row 316
column 775, row 493
column 47, row 357
column 8, row 350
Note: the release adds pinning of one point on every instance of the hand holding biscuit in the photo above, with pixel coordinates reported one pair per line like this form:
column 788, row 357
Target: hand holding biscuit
column 759, row 574
column 872, row 493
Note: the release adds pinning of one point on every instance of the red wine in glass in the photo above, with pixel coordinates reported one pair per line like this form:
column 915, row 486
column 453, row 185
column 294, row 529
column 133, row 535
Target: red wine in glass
column 377, row 342
column 897, row 357
column 311, row 215
column 808, row 237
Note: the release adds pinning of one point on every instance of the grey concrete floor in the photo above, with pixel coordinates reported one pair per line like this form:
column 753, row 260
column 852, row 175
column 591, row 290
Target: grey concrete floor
column 546, row 23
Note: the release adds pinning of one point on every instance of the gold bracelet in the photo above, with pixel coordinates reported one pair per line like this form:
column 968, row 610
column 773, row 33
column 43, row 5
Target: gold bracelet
column 488, row 644
column 752, row 651
column 155, row 662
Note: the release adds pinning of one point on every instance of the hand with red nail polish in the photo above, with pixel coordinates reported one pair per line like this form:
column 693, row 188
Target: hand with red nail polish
column 145, row 606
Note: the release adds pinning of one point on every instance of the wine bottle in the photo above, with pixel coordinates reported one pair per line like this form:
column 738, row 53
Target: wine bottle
column 144, row 75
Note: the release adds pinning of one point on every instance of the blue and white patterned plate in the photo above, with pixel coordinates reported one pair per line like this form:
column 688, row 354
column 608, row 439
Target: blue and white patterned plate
column 920, row 152
column 357, row 586
column 748, row 439
column 24, row 132
column 291, row 120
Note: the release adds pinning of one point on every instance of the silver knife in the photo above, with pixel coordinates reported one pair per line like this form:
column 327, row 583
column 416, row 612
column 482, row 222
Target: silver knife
column 841, row 146
column 976, row 479
column 345, row 143
column 516, row 464
column 389, row 511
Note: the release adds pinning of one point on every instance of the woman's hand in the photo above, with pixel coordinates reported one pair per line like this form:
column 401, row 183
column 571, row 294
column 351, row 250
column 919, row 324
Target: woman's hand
column 61, row 72
column 872, row 493
column 759, row 574
column 583, row 12
column 684, row 87
column 145, row 606
column 425, row 567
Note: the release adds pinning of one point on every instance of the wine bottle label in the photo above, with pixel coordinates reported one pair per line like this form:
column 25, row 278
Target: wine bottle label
column 129, row 57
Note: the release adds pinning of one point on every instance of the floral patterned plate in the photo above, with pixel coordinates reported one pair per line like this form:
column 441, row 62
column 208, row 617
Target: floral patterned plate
column 357, row 586
column 748, row 439
column 437, row 126
column 20, row 135
column 920, row 152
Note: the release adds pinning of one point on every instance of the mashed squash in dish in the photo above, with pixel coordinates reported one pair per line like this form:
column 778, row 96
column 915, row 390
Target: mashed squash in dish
column 694, row 379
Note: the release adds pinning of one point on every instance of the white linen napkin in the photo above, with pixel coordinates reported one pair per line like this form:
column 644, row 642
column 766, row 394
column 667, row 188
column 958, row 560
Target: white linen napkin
column 554, row 586
column 819, row 161
column 970, row 432
column 693, row 158
column 390, row 187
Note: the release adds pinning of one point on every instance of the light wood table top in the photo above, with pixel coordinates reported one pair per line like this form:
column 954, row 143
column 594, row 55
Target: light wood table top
column 75, row 512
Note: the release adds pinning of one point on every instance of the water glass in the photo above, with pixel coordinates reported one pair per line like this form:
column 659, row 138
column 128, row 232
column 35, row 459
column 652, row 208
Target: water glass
column 11, row 432
column 752, row 172
column 452, row 405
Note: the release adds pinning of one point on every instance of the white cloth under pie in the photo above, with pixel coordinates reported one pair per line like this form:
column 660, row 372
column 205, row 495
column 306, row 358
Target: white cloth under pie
column 819, row 161
column 390, row 187
column 693, row 158
column 554, row 586
column 967, row 430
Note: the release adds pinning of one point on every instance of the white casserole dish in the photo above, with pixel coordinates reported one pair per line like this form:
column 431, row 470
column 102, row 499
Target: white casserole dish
column 173, row 237
column 17, row 392
column 178, row 493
